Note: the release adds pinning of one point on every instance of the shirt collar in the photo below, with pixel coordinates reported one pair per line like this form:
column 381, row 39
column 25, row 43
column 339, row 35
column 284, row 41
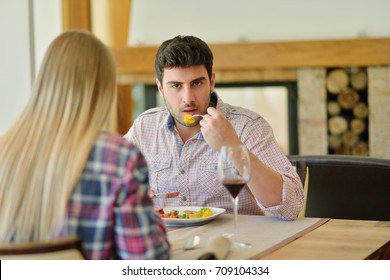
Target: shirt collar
column 170, row 123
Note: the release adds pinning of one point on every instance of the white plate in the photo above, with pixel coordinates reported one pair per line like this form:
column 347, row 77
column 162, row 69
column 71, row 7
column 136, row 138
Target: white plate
column 176, row 222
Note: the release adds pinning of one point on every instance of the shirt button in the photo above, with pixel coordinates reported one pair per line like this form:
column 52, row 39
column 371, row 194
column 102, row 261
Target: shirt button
column 182, row 171
column 184, row 198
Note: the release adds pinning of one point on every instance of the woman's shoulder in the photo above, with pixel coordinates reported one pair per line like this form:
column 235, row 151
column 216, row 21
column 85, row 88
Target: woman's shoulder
column 111, row 154
column 113, row 147
column 109, row 139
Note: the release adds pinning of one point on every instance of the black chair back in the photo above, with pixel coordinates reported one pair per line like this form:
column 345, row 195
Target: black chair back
column 347, row 187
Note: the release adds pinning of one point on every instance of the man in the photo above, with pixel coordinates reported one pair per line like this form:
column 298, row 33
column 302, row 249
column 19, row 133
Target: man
column 183, row 157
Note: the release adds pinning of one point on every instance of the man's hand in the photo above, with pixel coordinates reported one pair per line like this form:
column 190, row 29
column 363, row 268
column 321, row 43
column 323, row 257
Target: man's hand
column 217, row 130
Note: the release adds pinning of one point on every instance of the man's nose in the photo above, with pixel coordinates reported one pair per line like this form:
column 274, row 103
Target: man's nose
column 188, row 95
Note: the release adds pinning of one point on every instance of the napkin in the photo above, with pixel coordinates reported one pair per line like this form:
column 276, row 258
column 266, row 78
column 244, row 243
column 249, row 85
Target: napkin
column 217, row 248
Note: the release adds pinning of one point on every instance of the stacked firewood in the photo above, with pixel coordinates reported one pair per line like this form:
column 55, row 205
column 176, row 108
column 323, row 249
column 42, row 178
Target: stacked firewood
column 347, row 111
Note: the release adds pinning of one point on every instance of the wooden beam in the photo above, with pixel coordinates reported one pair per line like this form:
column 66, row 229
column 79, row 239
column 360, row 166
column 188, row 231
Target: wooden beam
column 135, row 60
column 135, row 78
column 261, row 75
column 119, row 17
column 76, row 14
column 330, row 53
column 256, row 75
column 118, row 28
column 125, row 108
column 270, row 56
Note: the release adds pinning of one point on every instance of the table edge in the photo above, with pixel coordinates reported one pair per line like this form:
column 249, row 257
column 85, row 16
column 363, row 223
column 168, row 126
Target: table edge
column 283, row 243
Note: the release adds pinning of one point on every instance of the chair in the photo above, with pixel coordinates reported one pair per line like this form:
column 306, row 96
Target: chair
column 301, row 168
column 303, row 173
column 64, row 249
column 346, row 187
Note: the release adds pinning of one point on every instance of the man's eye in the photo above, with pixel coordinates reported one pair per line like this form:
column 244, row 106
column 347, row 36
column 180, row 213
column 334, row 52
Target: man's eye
column 175, row 85
column 197, row 83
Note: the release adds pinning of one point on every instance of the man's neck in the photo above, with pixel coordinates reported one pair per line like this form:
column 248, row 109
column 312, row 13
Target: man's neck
column 186, row 132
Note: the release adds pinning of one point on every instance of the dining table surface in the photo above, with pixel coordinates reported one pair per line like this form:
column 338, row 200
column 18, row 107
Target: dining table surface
column 301, row 239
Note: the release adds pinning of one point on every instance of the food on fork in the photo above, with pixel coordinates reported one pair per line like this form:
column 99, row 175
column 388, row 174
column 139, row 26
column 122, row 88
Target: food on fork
column 188, row 119
column 165, row 195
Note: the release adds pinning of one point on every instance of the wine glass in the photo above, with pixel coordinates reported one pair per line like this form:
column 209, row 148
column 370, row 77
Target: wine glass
column 234, row 173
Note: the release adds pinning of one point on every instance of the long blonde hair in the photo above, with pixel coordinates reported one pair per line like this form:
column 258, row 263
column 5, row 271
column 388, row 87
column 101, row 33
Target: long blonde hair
column 44, row 152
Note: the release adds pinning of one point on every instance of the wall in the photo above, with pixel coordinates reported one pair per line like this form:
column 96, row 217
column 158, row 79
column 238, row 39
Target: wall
column 379, row 118
column 15, row 57
column 219, row 21
column 26, row 29
column 47, row 25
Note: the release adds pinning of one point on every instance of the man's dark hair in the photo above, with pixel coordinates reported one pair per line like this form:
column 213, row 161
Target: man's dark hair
column 183, row 51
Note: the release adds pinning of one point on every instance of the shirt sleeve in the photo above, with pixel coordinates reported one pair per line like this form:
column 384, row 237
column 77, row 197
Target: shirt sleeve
column 129, row 136
column 259, row 138
column 139, row 232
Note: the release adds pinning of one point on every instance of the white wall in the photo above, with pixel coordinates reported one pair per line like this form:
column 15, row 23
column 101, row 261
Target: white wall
column 26, row 29
column 217, row 21
column 47, row 25
column 15, row 57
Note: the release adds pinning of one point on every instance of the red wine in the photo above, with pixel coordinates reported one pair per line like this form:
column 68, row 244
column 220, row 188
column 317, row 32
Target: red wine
column 234, row 186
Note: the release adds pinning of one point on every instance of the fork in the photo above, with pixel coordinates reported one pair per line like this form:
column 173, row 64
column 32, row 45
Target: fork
column 196, row 116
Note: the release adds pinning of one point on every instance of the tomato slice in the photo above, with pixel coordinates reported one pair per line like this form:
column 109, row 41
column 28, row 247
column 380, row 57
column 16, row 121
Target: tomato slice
column 160, row 211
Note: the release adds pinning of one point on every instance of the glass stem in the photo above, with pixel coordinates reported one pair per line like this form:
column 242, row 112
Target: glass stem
column 235, row 218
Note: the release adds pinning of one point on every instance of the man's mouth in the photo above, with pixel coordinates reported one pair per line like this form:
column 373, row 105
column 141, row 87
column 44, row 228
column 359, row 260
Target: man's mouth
column 190, row 111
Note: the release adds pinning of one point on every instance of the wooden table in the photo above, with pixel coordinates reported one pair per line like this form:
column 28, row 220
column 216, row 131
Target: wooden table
column 339, row 240
column 331, row 240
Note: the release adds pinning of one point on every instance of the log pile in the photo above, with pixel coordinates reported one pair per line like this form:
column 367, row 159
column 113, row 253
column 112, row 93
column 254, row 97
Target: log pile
column 347, row 109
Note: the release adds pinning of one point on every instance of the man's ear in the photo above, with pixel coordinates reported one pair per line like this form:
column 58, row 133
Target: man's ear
column 212, row 83
column 160, row 87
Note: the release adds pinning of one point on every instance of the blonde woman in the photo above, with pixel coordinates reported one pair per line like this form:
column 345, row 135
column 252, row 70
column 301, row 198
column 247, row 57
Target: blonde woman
column 62, row 173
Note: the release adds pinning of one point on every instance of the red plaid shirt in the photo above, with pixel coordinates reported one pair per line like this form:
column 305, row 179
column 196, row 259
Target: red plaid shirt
column 109, row 208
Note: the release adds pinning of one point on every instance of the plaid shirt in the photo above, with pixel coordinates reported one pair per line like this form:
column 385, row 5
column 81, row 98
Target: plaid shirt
column 109, row 208
column 191, row 167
